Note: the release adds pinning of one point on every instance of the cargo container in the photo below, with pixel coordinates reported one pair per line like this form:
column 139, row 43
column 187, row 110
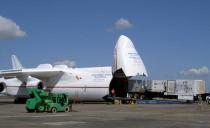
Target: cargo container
column 190, row 87
column 199, row 87
column 140, row 88
column 179, row 89
column 170, row 88
column 156, row 85
column 184, row 87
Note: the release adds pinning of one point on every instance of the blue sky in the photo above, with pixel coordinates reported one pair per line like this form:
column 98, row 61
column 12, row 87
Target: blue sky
column 172, row 37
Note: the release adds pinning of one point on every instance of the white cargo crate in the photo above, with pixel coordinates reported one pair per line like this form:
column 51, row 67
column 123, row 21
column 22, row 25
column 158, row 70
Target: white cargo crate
column 184, row 87
column 171, row 86
column 190, row 87
column 177, row 87
column 199, row 87
column 156, row 85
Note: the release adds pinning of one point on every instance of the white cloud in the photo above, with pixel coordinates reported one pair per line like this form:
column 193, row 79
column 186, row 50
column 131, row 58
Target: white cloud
column 203, row 71
column 9, row 29
column 120, row 24
column 69, row 63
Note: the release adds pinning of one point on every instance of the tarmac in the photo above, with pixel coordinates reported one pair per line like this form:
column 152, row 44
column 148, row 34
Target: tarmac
column 108, row 116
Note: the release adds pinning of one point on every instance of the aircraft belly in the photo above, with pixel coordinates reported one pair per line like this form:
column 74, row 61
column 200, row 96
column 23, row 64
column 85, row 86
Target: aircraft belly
column 92, row 94
column 83, row 92
column 17, row 91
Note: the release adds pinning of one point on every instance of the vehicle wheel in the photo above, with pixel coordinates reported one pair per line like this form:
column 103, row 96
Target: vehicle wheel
column 30, row 110
column 136, row 96
column 41, row 108
column 54, row 110
column 67, row 109
column 208, row 101
column 142, row 97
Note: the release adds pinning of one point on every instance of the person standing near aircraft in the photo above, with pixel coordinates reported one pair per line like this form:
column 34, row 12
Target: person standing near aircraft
column 113, row 92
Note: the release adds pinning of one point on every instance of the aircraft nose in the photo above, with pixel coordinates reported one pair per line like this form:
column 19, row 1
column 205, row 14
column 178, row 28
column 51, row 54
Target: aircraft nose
column 124, row 42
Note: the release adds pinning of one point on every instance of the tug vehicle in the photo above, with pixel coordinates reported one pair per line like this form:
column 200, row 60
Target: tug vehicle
column 42, row 101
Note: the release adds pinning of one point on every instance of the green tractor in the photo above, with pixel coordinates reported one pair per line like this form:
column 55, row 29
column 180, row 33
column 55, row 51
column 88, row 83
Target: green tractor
column 42, row 101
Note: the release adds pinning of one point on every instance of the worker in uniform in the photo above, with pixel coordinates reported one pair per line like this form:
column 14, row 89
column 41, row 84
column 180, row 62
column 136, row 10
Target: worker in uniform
column 199, row 102
column 113, row 92
column 199, row 99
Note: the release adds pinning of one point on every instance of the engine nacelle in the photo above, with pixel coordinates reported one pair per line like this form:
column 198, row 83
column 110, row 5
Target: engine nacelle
column 18, row 88
column 33, row 82
column 3, row 87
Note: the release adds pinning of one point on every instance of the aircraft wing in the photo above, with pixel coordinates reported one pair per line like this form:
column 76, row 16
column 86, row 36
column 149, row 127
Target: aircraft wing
column 41, row 74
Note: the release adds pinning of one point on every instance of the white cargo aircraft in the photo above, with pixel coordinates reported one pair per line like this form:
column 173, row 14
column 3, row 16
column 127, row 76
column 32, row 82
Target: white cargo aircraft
column 81, row 84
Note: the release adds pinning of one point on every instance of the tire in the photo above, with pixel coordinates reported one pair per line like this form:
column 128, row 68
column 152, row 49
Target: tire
column 67, row 109
column 40, row 108
column 142, row 97
column 54, row 110
column 30, row 110
column 208, row 101
column 136, row 96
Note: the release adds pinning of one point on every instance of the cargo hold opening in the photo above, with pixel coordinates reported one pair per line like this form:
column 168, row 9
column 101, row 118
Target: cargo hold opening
column 119, row 85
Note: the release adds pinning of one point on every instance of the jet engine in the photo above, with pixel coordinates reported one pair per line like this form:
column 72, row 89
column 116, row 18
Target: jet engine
column 37, row 84
column 2, row 87
column 34, row 82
